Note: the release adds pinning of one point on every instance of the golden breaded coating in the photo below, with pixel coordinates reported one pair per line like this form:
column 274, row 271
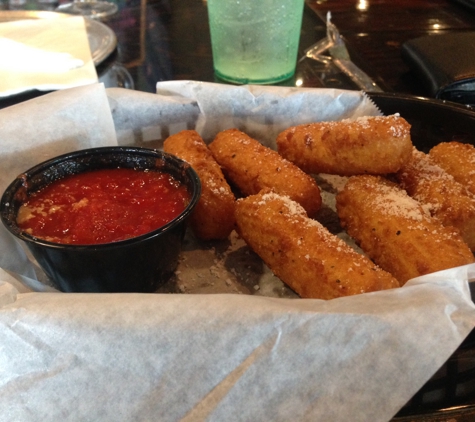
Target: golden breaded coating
column 213, row 217
column 303, row 253
column 395, row 232
column 439, row 194
column 252, row 167
column 458, row 160
column 367, row 145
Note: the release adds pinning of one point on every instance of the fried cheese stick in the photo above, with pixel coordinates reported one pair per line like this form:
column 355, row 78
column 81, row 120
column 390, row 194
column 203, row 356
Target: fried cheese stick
column 303, row 253
column 213, row 217
column 367, row 145
column 252, row 167
column 439, row 194
column 395, row 232
column 458, row 160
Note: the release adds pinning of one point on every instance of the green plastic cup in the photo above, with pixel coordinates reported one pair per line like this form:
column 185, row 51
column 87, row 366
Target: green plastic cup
column 255, row 41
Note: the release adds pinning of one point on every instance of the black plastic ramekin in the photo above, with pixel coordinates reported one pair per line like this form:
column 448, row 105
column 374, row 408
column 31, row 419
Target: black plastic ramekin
column 139, row 264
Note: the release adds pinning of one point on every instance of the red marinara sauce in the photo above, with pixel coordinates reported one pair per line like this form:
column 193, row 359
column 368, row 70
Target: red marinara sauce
column 103, row 206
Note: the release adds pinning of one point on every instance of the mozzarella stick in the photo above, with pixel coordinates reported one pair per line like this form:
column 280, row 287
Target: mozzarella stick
column 303, row 253
column 252, row 167
column 213, row 217
column 440, row 194
column 458, row 160
column 395, row 232
column 367, row 145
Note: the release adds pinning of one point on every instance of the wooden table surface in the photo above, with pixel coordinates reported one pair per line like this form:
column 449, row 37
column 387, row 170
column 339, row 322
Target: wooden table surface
column 376, row 30
column 169, row 39
column 165, row 40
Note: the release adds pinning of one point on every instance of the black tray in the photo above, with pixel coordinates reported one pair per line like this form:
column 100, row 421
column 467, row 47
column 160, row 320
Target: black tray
column 433, row 121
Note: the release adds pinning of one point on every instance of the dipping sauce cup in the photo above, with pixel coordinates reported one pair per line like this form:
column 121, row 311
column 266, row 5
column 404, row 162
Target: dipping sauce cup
column 255, row 41
column 137, row 264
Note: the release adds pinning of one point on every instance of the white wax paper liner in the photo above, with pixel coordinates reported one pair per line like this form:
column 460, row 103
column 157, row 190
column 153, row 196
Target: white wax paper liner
column 210, row 357
column 214, row 357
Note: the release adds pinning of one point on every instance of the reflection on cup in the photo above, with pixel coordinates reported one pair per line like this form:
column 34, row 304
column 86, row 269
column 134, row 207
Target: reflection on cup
column 255, row 41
